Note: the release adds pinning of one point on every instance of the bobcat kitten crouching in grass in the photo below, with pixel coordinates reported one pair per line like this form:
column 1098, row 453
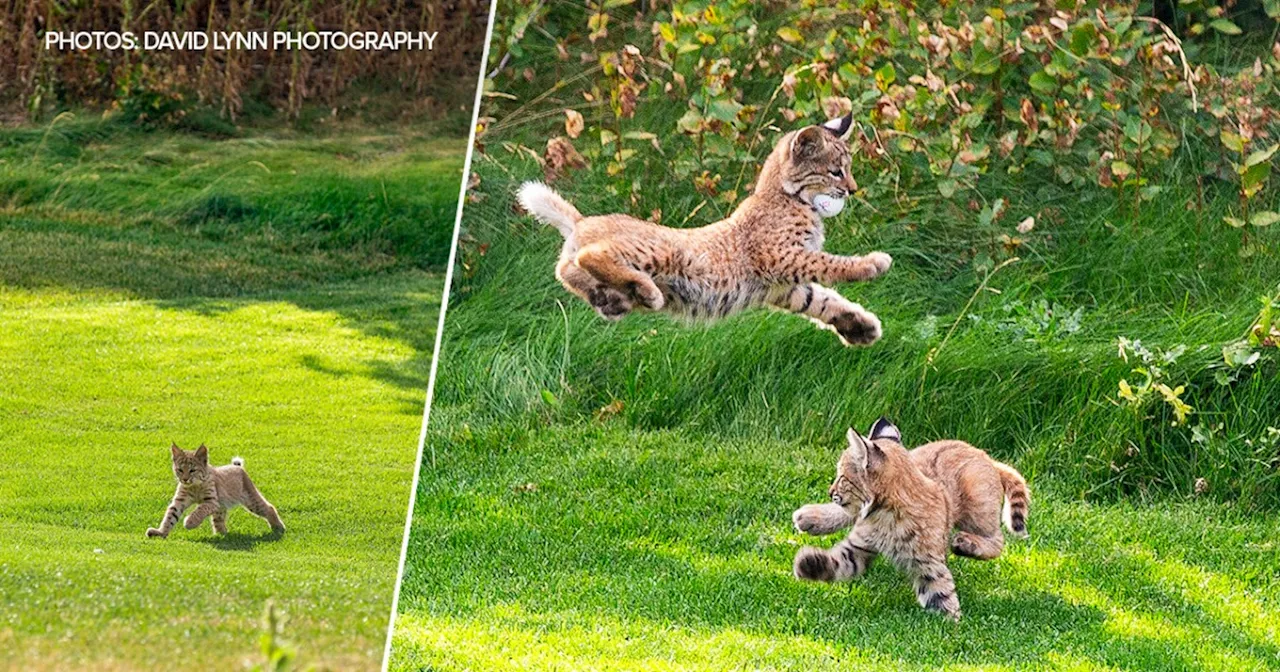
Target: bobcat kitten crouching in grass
column 904, row 504
column 214, row 490
column 768, row 252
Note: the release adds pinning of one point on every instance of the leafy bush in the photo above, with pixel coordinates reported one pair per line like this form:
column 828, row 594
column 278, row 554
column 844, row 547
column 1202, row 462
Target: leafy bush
column 1091, row 92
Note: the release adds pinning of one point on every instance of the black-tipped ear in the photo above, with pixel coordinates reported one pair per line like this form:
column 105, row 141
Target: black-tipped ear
column 202, row 453
column 883, row 429
column 841, row 127
column 175, row 450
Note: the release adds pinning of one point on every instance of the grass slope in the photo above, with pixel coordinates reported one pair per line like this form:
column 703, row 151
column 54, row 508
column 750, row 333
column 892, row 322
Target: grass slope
column 127, row 327
column 618, row 496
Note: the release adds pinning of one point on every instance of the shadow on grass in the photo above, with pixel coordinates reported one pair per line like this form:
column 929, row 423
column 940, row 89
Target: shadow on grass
column 78, row 254
column 241, row 541
column 1018, row 625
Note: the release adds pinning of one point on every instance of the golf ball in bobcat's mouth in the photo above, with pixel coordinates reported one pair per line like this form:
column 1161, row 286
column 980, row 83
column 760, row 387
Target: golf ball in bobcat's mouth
column 827, row 206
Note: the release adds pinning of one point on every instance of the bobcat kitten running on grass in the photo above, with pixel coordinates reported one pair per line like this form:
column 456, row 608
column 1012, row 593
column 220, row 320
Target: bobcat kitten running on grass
column 904, row 504
column 215, row 489
column 769, row 251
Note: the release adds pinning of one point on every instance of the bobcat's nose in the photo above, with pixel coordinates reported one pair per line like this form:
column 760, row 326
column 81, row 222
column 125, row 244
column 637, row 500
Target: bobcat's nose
column 835, row 497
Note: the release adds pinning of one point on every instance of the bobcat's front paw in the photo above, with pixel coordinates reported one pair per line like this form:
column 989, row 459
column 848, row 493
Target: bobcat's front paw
column 879, row 263
column 946, row 604
column 820, row 519
column 813, row 564
column 153, row 532
column 857, row 328
column 610, row 303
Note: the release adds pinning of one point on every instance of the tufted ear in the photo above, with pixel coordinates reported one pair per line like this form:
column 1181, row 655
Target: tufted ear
column 842, row 127
column 883, row 429
column 807, row 142
column 858, row 447
column 175, row 451
column 202, row 453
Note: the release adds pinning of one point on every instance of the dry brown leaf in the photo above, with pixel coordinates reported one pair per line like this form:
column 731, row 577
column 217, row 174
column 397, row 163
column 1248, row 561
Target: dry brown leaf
column 573, row 123
column 560, row 157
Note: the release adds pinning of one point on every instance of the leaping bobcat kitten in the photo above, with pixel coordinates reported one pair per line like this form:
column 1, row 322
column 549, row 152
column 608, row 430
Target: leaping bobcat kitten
column 769, row 251
column 215, row 489
column 904, row 504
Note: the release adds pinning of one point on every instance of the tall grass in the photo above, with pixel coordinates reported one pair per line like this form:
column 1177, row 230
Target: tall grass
column 379, row 196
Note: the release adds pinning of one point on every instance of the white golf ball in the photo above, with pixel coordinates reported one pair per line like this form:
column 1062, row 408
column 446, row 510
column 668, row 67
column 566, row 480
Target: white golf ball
column 827, row 206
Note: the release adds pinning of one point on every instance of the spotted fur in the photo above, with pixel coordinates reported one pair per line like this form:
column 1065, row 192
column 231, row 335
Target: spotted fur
column 214, row 491
column 912, row 507
column 768, row 252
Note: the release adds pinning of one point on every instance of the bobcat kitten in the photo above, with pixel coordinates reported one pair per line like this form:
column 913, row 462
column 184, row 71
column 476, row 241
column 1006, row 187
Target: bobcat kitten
column 904, row 504
column 768, row 252
column 215, row 490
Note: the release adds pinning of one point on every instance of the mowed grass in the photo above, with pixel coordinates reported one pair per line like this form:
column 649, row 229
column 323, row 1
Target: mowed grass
column 127, row 327
column 618, row 496
column 607, row 548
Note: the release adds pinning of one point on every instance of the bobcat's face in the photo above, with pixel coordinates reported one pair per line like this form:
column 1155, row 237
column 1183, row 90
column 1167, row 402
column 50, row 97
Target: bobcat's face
column 851, row 488
column 190, row 468
column 818, row 161
column 864, row 460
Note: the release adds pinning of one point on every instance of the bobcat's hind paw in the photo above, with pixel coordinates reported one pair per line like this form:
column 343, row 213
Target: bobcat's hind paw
column 857, row 328
column 610, row 303
column 153, row 532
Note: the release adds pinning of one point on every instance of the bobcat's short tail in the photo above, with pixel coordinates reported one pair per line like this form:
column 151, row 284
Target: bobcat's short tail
column 1016, row 499
column 237, row 461
column 546, row 205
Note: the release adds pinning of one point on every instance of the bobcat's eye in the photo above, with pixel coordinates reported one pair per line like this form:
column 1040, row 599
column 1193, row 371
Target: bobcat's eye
column 837, row 172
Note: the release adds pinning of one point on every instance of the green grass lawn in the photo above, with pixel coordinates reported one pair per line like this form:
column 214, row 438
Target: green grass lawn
column 654, row 550
column 129, row 323
column 618, row 496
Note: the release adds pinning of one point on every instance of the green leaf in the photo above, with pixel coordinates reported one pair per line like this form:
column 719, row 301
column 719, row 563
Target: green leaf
column 1121, row 169
column 550, row 398
column 1083, row 37
column 1225, row 27
column 1264, row 218
column 790, row 35
column 947, row 188
column 1254, row 177
column 886, row 75
column 1043, row 82
column 1234, row 222
column 1231, row 141
column 985, row 61
column 724, row 109
column 1261, row 155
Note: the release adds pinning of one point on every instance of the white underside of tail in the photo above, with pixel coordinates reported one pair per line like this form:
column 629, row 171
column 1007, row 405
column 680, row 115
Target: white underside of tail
column 1006, row 515
column 237, row 461
column 545, row 204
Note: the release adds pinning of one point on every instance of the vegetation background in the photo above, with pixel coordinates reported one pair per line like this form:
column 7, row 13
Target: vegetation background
column 168, row 85
column 1081, row 206
column 237, row 249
